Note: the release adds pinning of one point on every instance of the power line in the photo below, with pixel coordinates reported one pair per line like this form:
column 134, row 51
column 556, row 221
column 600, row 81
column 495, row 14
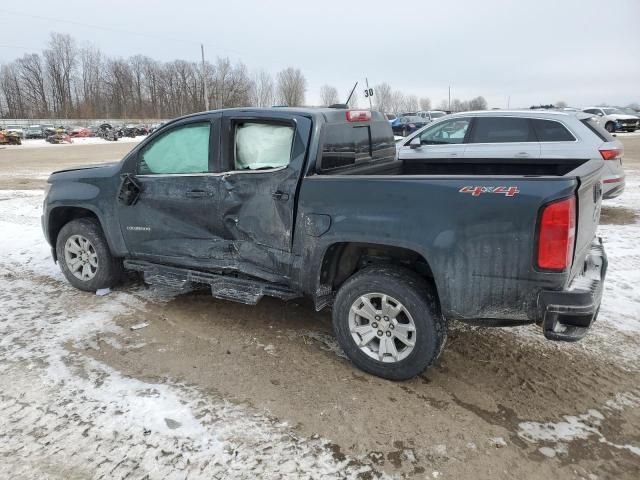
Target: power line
column 101, row 27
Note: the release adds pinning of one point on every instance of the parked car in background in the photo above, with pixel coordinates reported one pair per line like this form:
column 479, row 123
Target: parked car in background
column 17, row 129
column 9, row 138
column 48, row 129
column 613, row 119
column 540, row 140
column 390, row 116
column 630, row 111
column 80, row 132
column 432, row 115
column 404, row 125
column 34, row 131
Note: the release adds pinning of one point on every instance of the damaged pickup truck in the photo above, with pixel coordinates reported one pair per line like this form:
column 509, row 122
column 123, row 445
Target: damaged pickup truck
column 293, row 202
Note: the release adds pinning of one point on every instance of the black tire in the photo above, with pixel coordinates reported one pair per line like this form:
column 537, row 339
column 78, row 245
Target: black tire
column 610, row 127
column 418, row 298
column 109, row 270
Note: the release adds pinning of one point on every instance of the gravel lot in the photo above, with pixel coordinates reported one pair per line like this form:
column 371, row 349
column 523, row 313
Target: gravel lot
column 214, row 389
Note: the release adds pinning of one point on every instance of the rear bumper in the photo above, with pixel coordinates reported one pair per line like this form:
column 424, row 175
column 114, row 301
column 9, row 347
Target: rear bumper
column 568, row 314
column 613, row 186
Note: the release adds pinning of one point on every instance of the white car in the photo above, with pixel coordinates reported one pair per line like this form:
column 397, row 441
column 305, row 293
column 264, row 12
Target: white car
column 431, row 115
column 552, row 140
column 613, row 119
column 16, row 129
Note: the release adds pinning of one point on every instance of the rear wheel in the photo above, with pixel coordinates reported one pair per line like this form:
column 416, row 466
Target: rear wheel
column 609, row 127
column 388, row 322
column 84, row 256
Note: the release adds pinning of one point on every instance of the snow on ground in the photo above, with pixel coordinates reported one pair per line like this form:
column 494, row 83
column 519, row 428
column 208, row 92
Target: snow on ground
column 66, row 415
column 580, row 426
column 64, row 412
column 621, row 299
column 41, row 143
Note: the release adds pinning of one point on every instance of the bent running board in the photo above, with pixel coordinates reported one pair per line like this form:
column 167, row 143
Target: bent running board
column 226, row 287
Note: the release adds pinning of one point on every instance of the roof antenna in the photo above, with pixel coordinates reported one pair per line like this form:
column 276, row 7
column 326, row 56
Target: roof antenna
column 351, row 94
column 346, row 104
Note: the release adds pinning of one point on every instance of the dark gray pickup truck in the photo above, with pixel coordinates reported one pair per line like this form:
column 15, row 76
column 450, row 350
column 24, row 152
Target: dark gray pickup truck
column 292, row 202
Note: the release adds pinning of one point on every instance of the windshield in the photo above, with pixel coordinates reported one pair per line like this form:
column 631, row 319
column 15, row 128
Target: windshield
column 610, row 111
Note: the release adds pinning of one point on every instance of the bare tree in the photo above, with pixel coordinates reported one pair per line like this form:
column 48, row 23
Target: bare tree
column 329, row 95
column 397, row 101
column 478, row 103
column 443, row 105
column 382, row 97
column 410, row 103
column 61, row 60
column 10, row 84
column 262, row 89
column 291, row 87
column 561, row 104
column 92, row 82
column 425, row 104
column 32, row 78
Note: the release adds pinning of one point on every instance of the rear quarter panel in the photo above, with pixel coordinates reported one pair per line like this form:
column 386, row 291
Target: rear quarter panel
column 480, row 248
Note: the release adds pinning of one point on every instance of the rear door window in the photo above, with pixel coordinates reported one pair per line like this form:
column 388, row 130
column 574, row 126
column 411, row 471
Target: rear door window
column 502, row 130
column 552, row 131
column 261, row 146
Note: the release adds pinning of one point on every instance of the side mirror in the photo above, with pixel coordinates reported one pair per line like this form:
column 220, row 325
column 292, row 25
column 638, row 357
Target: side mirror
column 600, row 114
column 415, row 142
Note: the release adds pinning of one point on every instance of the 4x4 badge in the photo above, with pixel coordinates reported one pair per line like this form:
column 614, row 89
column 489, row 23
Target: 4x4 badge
column 477, row 191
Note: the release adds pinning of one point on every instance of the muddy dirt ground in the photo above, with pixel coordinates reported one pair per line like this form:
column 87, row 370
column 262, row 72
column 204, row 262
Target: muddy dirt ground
column 499, row 404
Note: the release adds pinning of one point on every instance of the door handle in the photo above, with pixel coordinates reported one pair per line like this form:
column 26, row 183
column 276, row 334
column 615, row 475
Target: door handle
column 196, row 194
column 280, row 196
column 522, row 155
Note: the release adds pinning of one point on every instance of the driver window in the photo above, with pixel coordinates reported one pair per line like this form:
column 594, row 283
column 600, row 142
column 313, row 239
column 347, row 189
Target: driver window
column 260, row 146
column 451, row 131
column 181, row 150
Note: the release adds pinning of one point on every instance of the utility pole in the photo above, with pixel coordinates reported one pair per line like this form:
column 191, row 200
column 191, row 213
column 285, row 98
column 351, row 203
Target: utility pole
column 508, row 102
column 368, row 93
column 449, row 97
column 204, row 81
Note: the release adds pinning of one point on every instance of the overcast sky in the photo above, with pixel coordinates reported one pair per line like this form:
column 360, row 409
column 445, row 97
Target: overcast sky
column 535, row 51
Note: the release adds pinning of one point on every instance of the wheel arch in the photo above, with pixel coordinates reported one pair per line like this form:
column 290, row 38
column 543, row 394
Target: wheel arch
column 341, row 260
column 60, row 216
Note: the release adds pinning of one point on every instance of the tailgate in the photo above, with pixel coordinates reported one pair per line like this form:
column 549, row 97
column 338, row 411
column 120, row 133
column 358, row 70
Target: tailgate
column 589, row 198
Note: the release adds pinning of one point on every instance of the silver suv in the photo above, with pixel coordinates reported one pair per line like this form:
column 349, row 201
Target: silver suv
column 533, row 136
column 613, row 119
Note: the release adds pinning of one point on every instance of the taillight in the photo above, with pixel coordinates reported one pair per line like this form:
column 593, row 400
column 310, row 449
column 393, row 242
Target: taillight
column 611, row 153
column 358, row 115
column 557, row 235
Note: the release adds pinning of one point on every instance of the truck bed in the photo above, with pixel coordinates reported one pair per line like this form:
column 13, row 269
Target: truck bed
column 471, row 166
column 484, row 241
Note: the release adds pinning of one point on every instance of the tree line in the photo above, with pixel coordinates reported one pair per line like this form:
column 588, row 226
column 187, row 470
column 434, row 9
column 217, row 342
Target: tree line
column 66, row 80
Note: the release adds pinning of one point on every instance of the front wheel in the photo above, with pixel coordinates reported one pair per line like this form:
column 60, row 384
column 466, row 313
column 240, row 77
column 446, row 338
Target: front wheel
column 610, row 127
column 84, row 256
column 388, row 322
